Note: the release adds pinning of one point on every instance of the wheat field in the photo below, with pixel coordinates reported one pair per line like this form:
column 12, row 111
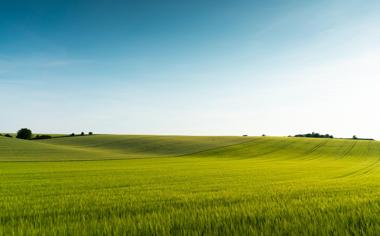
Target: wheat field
column 179, row 185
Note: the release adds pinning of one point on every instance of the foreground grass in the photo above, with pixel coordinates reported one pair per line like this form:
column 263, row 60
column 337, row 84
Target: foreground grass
column 257, row 186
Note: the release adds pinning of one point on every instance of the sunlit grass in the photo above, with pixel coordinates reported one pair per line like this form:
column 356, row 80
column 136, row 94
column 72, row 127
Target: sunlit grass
column 240, row 186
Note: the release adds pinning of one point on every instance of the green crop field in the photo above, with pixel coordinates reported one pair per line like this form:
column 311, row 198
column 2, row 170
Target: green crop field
column 161, row 185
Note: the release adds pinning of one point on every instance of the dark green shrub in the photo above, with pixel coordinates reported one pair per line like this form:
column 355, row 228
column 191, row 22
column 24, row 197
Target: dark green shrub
column 44, row 136
column 24, row 133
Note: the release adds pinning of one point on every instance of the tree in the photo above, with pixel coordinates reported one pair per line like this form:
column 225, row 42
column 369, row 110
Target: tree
column 90, row 133
column 24, row 133
column 354, row 137
column 72, row 134
column 8, row 136
column 82, row 133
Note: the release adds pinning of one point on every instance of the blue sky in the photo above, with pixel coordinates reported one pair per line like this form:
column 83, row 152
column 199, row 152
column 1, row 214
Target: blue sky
column 191, row 67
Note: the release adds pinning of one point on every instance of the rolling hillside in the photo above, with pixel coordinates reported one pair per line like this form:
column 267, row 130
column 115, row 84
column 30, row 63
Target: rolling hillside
column 134, row 146
column 109, row 147
column 189, row 185
column 144, row 145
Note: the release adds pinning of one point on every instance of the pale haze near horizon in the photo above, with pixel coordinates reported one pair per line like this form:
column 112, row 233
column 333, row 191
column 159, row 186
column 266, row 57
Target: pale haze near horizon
column 192, row 69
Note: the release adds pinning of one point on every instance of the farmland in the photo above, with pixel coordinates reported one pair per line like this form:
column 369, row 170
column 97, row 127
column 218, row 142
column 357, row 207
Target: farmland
column 144, row 185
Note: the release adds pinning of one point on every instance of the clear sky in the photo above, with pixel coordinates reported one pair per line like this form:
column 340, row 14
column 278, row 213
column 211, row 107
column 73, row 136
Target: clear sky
column 191, row 67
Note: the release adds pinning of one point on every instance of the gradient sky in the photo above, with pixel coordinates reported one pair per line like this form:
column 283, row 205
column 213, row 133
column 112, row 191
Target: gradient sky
column 191, row 67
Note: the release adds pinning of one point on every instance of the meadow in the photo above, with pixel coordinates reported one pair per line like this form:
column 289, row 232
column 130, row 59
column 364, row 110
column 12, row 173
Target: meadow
column 178, row 185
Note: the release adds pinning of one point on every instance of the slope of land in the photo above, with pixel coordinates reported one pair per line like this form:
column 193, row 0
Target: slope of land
column 146, row 145
column 144, row 185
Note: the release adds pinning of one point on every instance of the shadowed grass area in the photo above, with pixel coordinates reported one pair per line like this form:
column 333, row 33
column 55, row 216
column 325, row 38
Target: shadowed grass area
column 108, row 147
column 193, row 185
column 145, row 145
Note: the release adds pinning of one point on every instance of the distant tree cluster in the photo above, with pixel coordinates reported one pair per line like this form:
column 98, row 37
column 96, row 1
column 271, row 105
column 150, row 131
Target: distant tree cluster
column 81, row 134
column 357, row 138
column 27, row 134
column 314, row 135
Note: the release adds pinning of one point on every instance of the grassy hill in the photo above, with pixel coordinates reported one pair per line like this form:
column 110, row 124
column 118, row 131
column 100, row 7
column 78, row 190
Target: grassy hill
column 145, row 145
column 97, row 147
column 189, row 185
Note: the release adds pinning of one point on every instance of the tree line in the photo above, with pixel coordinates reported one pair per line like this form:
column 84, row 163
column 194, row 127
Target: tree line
column 27, row 134
column 318, row 135
column 314, row 135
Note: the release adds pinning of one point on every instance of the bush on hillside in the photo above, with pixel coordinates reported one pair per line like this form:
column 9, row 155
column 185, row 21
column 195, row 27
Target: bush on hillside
column 24, row 133
column 44, row 136
column 8, row 136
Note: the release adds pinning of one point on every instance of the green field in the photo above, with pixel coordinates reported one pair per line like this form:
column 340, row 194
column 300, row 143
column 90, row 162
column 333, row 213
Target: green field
column 160, row 185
